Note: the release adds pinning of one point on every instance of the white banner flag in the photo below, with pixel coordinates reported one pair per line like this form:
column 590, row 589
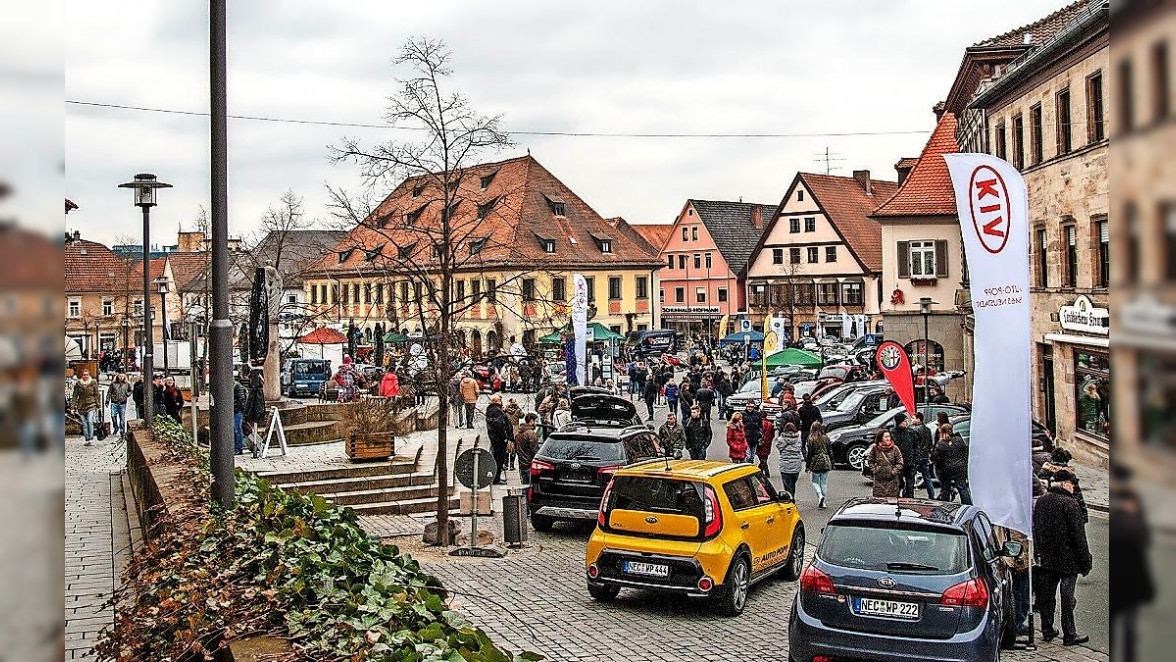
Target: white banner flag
column 993, row 206
column 580, row 326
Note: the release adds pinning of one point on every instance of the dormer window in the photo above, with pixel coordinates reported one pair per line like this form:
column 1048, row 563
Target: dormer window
column 452, row 211
column 345, row 255
column 485, row 208
column 476, row 245
column 405, row 252
column 371, row 255
column 488, row 179
column 414, row 215
column 548, row 245
column 558, row 207
column 603, row 243
column 417, row 190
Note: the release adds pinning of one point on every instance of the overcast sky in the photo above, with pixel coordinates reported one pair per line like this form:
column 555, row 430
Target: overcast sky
column 828, row 66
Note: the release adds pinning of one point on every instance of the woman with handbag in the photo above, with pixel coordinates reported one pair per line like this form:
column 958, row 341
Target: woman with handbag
column 885, row 462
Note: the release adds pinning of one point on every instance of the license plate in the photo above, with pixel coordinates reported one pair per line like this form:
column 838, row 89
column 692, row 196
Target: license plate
column 578, row 478
column 886, row 608
column 647, row 569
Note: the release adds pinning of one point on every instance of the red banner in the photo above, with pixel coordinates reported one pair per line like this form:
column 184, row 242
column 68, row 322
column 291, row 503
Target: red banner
column 894, row 363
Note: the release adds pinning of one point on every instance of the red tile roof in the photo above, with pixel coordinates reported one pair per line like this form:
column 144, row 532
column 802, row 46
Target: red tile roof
column 927, row 190
column 323, row 336
column 506, row 221
column 906, row 162
column 655, row 234
column 92, row 267
column 30, row 260
column 1041, row 29
column 848, row 207
column 188, row 267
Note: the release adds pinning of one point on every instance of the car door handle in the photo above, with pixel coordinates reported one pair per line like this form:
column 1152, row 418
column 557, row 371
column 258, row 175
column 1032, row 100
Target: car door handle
column 744, row 526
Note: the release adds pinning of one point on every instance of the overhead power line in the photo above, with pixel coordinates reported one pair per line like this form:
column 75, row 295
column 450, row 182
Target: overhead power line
column 572, row 134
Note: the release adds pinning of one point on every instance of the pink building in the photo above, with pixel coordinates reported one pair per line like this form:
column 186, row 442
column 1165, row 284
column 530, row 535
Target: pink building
column 705, row 254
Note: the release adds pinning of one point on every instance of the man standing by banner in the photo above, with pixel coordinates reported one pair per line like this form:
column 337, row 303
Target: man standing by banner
column 580, row 327
column 992, row 202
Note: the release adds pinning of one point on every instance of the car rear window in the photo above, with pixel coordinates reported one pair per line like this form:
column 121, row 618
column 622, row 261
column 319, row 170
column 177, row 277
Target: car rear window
column 894, row 550
column 565, row 448
column 656, row 495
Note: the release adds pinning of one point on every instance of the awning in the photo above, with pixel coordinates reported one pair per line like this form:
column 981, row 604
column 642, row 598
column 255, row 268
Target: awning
column 596, row 332
column 744, row 336
column 323, row 336
column 393, row 336
column 793, row 356
column 1078, row 340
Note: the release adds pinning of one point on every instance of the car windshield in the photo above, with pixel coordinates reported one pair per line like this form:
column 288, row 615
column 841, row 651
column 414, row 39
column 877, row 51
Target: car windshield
column 883, row 418
column 833, row 395
column 833, row 373
column 656, row 495
column 851, row 401
column 579, row 448
column 894, row 550
column 753, row 386
column 310, row 368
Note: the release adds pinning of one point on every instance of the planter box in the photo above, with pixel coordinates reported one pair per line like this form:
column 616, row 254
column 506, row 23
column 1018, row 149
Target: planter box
column 374, row 446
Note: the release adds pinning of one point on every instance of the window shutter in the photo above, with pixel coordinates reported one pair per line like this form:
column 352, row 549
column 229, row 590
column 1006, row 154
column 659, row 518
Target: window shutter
column 941, row 258
column 904, row 259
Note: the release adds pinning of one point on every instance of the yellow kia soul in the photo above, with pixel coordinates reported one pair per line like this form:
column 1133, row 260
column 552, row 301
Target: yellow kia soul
column 693, row 527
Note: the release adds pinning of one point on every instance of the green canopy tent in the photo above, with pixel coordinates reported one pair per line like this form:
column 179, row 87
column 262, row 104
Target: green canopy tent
column 596, row 332
column 793, row 356
column 392, row 336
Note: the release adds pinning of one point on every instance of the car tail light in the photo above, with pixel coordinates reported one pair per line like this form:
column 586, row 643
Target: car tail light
column 593, row 571
column 972, row 593
column 705, row 584
column 822, row 658
column 539, row 466
column 602, row 514
column 610, row 470
column 814, row 580
column 713, row 514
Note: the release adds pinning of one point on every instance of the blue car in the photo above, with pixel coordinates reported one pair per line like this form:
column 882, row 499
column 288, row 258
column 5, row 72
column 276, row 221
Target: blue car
column 905, row 579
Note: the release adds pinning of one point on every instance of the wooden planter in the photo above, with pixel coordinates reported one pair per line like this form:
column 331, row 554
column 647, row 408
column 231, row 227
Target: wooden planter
column 372, row 446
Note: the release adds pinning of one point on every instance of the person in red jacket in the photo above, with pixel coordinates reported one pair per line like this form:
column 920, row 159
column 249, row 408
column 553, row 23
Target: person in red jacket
column 390, row 384
column 736, row 439
column 764, row 449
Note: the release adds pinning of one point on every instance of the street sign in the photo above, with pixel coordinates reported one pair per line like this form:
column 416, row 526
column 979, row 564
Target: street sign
column 477, row 462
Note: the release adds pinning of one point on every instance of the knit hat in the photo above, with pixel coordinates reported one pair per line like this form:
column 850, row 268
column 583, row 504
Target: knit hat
column 899, row 418
column 1063, row 476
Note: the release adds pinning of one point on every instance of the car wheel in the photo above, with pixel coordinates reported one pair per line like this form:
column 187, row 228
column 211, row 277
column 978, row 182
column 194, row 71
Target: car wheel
column 795, row 563
column 736, row 586
column 542, row 523
column 855, row 455
column 603, row 592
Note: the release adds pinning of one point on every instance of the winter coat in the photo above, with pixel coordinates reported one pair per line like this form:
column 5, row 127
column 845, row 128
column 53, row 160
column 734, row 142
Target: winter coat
column 469, row 390
column 240, row 398
column 514, row 414
column 390, row 385
column 752, row 426
column 791, row 450
column 455, row 392
column 672, row 394
column 905, row 439
column 672, row 438
column 173, row 402
column 498, row 427
column 736, row 443
column 86, row 397
column 725, row 388
column 951, row 457
column 118, row 393
column 789, row 416
column 651, row 389
column 1059, row 534
column 764, row 448
column 698, row 434
column 923, row 444
column 137, row 396
column 705, row 397
column 1129, row 543
column 818, row 456
column 526, row 444
column 886, row 465
column 809, row 414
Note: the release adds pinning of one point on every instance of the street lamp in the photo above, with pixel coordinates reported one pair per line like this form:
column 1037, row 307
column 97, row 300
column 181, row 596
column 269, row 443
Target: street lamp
column 126, row 327
column 162, row 286
column 144, row 186
column 925, row 304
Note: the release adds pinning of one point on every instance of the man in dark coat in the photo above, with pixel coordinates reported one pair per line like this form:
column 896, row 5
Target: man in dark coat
column 671, row 436
column 500, row 432
column 809, row 414
column 652, row 389
column 704, row 399
column 904, row 438
column 919, row 461
column 1059, row 537
column 1132, row 585
column 698, row 434
column 752, row 428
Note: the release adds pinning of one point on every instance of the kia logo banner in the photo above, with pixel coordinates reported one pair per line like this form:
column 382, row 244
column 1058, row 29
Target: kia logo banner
column 895, row 365
column 993, row 206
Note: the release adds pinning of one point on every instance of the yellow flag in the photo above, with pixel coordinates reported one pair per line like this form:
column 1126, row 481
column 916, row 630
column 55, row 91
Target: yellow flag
column 723, row 327
column 770, row 341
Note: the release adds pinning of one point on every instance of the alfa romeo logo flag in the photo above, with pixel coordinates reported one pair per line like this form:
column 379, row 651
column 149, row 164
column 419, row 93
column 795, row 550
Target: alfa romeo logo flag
column 992, row 203
column 895, row 365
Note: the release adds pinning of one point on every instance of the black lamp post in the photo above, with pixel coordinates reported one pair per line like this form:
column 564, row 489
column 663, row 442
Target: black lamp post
column 925, row 304
column 144, row 186
column 161, row 286
column 126, row 328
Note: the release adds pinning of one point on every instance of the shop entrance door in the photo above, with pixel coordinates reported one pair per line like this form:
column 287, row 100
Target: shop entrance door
column 1047, row 387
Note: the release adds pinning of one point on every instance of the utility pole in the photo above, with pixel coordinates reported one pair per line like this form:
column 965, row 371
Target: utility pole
column 220, row 328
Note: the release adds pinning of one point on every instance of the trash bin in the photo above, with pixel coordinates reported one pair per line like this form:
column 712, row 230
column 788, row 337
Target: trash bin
column 514, row 518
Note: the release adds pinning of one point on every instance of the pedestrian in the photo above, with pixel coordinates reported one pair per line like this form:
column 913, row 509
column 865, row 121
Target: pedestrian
column 670, row 390
column 1062, row 554
column 469, row 398
column 650, row 394
column 240, row 403
column 777, row 388
column 514, row 414
column 173, row 400
column 950, row 456
column 904, row 439
column 390, row 383
column 752, row 429
column 809, row 413
column 686, row 397
column 724, row 388
column 818, row 461
column 671, row 437
column 1019, row 567
column 736, row 438
column 919, row 461
column 561, row 415
column 346, row 377
column 137, row 395
column 704, row 397
column 789, row 396
column 498, row 430
column 526, row 446
column 86, row 401
column 117, row 394
column 698, row 434
column 791, row 450
column 885, row 461
column 1134, row 585
column 455, row 403
column 764, row 448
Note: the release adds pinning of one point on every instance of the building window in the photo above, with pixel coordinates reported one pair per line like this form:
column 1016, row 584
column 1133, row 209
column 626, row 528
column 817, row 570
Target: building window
column 1065, row 134
column 1092, row 383
column 777, row 256
column 1169, row 212
column 830, row 253
column 74, row 308
column 1042, row 257
column 404, row 293
column 487, row 179
column 1126, row 97
column 722, row 294
column 367, row 293
column 694, row 233
column 591, row 283
column 922, row 259
column 1102, row 238
column 709, row 260
column 642, row 287
column 491, row 290
column 700, row 295
column 661, row 295
column 1161, row 89
column 528, row 290
column 107, row 307
column 685, row 233
column 813, row 254
column 1095, row 115
column 827, row 294
column 345, row 292
column 476, row 290
column 559, row 291
column 851, row 294
column 1071, row 235
column 679, row 295
column 794, row 225
column 1002, row 150
column 355, row 293
column 682, row 261
column 614, row 288
column 322, row 293
column 548, row 245
column 379, row 294
column 669, row 261
column 794, row 255
column 1019, row 142
column 1035, row 140
column 461, row 290
column 313, row 295
column 810, row 224
column 800, row 195
column 697, row 261
column 757, row 294
column 335, row 293
column 558, row 209
column 606, row 245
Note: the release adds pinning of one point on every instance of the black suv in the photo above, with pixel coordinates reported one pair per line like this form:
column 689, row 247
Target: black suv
column 862, row 401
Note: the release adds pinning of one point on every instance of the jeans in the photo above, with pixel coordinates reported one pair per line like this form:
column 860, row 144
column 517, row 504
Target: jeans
column 1051, row 582
column 239, row 431
column 470, row 410
column 525, row 473
column 696, row 453
column 88, row 424
column 118, row 417
column 456, row 415
column 910, row 471
column 789, row 482
column 947, row 482
column 821, row 483
column 1021, row 596
column 649, row 408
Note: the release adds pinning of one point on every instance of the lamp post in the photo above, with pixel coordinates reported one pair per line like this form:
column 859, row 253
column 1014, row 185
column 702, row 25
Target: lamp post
column 925, row 304
column 144, row 186
column 161, row 286
column 126, row 327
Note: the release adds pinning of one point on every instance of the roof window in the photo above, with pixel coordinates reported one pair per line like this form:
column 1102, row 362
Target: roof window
column 488, row 179
column 345, row 255
column 558, row 207
column 476, row 245
column 485, row 208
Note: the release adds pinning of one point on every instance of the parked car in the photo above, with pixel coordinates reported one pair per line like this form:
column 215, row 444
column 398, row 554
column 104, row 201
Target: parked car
column 692, row 527
column 962, row 424
column 592, row 405
column 849, row 444
column 916, row 580
column 304, row 377
column 749, row 392
column 862, row 402
column 651, row 343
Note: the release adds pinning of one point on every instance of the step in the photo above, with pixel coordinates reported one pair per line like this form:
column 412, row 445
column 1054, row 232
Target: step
column 358, row 483
column 398, row 466
column 309, row 433
column 423, row 505
column 397, row 494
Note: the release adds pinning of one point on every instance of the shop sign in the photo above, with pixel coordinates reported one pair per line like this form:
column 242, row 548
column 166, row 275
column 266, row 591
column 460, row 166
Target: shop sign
column 1147, row 315
column 1084, row 317
column 690, row 310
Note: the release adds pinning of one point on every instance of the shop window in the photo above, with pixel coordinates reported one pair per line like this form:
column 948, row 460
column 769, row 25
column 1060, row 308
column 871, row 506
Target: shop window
column 1157, row 400
column 1092, row 383
column 933, row 352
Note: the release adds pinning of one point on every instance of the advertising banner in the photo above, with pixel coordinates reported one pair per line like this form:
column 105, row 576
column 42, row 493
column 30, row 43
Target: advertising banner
column 580, row 327
column 992, row 203
column 896, row 367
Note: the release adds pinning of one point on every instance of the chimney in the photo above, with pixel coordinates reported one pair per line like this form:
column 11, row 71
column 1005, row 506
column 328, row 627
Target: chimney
column 863, row 180
column 939, row 109
column 190, row 242
column 903, row 168
column 757, row 217
column 77, row 235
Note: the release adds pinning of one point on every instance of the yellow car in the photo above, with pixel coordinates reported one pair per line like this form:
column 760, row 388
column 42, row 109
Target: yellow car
column 693, row 527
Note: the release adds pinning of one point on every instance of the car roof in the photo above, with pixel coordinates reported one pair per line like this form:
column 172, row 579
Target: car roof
column 875, row 510
column 687, row 469
column 596, row 432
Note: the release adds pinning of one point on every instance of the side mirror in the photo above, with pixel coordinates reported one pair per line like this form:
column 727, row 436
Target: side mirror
column 677, row 455
column 784, row 496
column 649, row 424
column 1012, row 549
